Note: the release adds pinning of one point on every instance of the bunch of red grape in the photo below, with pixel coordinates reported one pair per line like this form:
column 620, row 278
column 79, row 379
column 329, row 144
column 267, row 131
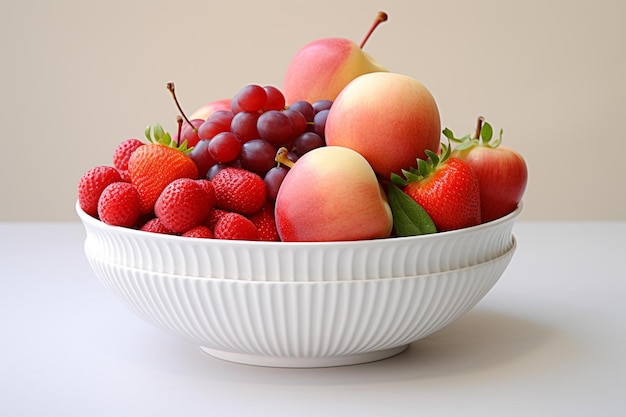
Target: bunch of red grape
column 250, row 134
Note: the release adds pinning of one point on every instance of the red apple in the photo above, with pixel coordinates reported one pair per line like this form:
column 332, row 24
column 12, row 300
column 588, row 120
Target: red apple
column 502, row 172
column 205, row 111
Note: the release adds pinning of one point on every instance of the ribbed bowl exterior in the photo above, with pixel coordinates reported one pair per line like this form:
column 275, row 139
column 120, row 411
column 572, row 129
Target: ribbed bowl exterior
column 299, row 261
column 301, row 323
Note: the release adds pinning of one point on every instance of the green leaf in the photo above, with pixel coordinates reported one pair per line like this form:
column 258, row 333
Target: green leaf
column 486, row 133
column 409, row 218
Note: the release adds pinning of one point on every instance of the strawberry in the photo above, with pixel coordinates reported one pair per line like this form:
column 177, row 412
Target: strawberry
column 91, row 185
column 199, row 232
column 154, row 225
column 239, row 190
column 234, row 226
column 265, row 223
column 183, row 204
column 119, row 204
column 446, row 188
column 501, row 171
column 122, row 153
column 153, row 166
column 214, row 217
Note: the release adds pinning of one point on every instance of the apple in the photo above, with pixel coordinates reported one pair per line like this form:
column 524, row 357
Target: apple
column 332, row 194
column 391, row 119
column 322, row 68
column 501, row 171
column 205, row 111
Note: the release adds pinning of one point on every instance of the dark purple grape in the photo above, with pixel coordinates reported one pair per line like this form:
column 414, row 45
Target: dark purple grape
column 319, row 123
column 298, row 122
column 275, row 127
column 273, row 179
column 305, row 108
column 307, row 142
column 201, row 157
column 322, row 105
column 258, row 155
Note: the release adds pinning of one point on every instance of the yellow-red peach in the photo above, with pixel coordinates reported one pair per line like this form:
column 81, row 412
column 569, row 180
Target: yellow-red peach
column 332, row 194
column 389, row 118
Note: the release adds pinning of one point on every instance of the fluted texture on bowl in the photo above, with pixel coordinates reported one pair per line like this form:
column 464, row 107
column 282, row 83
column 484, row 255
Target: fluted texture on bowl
column 287, row 261
column 283, row 321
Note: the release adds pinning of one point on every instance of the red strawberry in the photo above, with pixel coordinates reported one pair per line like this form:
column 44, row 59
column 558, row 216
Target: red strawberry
column 234, row 226
column 119, row 204
column 239, row 190
column 124, row 150
column 183, row 204
column 446, row 188
column 154, row 225
column 199, row 232
column 502, row 173
column 265, row 223
column 91, row 185
column 153, row 166
column 214, row 217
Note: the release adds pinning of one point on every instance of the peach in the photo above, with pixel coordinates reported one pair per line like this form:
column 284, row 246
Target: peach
column 205, row 111
column 389, row 118
column 322, row 68
column 332, row 194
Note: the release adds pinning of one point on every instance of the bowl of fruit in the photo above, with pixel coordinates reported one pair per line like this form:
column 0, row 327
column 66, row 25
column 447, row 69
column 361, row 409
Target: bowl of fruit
column 305, row 226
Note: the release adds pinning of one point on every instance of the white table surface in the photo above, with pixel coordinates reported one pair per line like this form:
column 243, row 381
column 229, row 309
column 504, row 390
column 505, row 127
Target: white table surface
column 548, row 340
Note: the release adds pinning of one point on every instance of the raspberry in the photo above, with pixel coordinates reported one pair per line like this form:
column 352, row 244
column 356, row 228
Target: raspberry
column 234, row 226
column 123, row 151
column 119, row 204
column 91, row 185
column 239, row 190
column 183, row 204
column 265, row 223
column 199, row 232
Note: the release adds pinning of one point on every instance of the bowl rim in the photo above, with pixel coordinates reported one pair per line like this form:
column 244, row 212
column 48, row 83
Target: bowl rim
column 88, row 219
column 167, row 275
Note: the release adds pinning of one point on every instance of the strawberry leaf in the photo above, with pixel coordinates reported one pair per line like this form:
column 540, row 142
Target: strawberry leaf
column 409, row 218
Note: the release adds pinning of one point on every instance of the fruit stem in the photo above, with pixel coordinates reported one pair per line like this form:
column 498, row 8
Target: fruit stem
column 479, row 126
column 179, row 124
column 380, row 18
column 281, row 157
column 170, row 87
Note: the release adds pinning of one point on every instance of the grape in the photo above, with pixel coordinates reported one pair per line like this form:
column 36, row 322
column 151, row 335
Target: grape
column 319, row 123
column 275, row 99
column 244, row 125
column 298, row 122
column 306, row 142
column 275, row 127
column 305, row 108
column 189, row 133
column 224, row 147
column 322, row 105
column 201, row 157
column 214, row 170
column 217, row 122
column 251, row 98
column 273, row 180
column 258, row 155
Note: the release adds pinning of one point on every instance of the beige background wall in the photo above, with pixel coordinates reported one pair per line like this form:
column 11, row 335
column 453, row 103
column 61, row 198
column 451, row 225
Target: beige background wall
column 78, row 77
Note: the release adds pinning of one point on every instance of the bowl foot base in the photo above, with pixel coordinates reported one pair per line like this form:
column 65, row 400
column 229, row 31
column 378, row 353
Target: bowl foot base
column 304, row 362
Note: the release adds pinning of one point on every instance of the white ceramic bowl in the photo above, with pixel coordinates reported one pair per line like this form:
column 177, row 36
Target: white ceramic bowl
column 299, row 261
column 301, row 324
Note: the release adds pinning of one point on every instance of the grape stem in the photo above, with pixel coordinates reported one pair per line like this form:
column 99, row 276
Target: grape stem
column 170, row 87
column 479, row 126
column 281, row 157
column 380, row 18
